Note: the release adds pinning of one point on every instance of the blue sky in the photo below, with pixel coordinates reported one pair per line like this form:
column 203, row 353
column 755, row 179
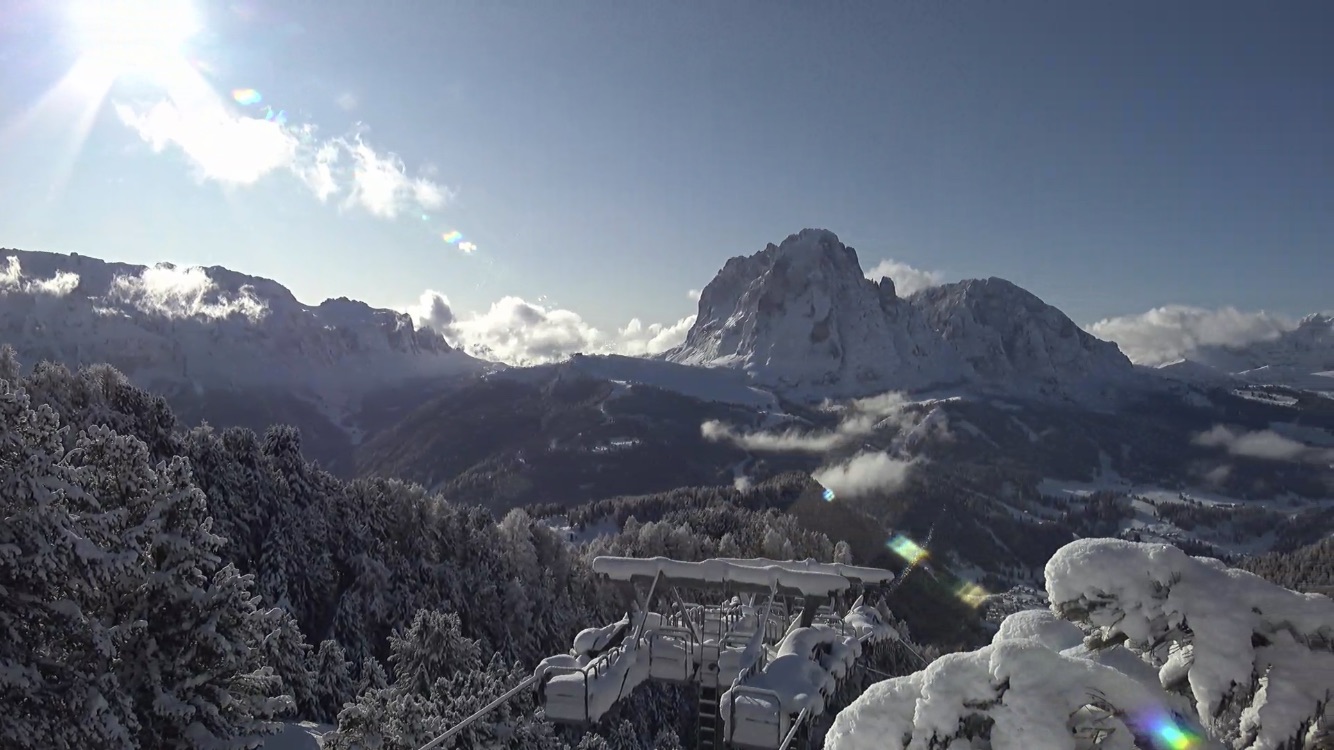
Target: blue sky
column 604, row 158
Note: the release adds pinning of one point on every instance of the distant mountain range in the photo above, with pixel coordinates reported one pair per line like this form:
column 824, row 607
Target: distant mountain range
column 1002, row 403
column 1301, row 358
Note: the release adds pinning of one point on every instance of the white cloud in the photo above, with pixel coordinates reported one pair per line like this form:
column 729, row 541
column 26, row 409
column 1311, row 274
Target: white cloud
column 907, row 279
column 380, row 183
column 12, row 279
column 638, row 339
column 346, row 101
column 220, row 145
column 790, row 441
column 230, row 148
column 519, row 332
column 864, row 474
column 1166, row 334
column 183, row 293
column 1262, row 444
column 692, row 295
column 432, row 311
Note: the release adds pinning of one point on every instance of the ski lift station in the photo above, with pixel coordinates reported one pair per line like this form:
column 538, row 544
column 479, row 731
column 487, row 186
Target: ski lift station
column 777, row 644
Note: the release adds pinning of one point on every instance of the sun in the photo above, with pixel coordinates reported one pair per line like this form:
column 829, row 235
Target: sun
column 147, row 36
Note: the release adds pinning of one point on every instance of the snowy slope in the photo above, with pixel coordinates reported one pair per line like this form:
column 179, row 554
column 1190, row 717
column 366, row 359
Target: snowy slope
column 710, row 385
column 169, row 328
column 802, row 317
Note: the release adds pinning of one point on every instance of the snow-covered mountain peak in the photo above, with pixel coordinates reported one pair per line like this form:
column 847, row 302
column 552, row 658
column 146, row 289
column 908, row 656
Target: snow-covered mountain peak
column 1004, row 331
column 801, row 316
column 167, row 326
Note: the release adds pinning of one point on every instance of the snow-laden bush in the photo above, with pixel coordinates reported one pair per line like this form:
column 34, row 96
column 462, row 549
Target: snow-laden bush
column 1012, row 695
column 1158, row 649
column 1256, row 658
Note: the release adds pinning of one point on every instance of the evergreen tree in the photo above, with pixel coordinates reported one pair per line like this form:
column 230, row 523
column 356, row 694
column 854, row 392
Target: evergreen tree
column 333, row 680
column 285, row 649
column 372, row 676
column 58, row 560
column 190, row 662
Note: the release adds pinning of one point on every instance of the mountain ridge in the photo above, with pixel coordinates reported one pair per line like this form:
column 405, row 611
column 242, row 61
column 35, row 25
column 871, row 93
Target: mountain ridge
column 802, row 316
column 166, row 325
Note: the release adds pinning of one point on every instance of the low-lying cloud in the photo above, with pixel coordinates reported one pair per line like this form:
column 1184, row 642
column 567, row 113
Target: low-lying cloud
column 1262, row 444
column 906, row 278
column 12, row 279
column 519, row 332
column 864, row 474
column 1167, row 334
column 232, row 149
column 860, row 419
column 163, row 290
column 183, row 293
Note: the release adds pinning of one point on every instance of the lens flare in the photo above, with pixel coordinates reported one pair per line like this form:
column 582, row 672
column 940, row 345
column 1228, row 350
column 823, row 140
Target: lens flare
column 452, row 236
column 246, row 97
column 970, row 593
column 467, row 247
column 828, row 495
column 1167, row 734
column 907, row 549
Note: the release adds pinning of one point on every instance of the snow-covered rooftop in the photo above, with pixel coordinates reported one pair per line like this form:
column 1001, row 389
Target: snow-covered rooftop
column 722, row 573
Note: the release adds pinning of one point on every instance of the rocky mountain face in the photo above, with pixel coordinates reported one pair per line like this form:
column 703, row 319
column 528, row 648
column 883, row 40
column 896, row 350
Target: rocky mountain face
column 1005, row 333
column 802, row 317
column 222, row 346
column 208, row 327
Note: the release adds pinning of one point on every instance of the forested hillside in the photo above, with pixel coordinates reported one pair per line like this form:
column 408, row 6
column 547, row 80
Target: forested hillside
column 188, row 587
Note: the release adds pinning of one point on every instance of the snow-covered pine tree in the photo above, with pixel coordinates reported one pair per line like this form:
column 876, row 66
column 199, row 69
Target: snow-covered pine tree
column 334, row 685
column 372, row 676
column 59, row 558
column 190, row 661
column 285, row 649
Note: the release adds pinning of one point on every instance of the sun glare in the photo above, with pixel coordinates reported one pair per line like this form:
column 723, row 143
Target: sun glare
column 146, row 36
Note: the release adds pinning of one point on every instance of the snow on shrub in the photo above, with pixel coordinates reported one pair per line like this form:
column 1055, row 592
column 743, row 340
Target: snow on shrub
column 1157, row 649
column 1257, row 659
column 1012, row 695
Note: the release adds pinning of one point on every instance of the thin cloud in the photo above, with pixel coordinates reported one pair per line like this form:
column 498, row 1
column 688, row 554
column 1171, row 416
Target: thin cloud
column 232, row 149
column 1166, row 334
column 907, row 279
column 692, row 295
column 1262, row 444
column 380, row 183
column 860, row 419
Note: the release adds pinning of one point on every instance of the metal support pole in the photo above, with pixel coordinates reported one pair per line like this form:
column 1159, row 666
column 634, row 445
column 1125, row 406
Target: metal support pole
column 685, row 616
column 648, row 604
column 796, row 727
column 484, row 710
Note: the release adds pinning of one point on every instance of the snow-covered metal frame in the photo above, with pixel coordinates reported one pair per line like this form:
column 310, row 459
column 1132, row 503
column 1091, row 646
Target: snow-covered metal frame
column 768, row 621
